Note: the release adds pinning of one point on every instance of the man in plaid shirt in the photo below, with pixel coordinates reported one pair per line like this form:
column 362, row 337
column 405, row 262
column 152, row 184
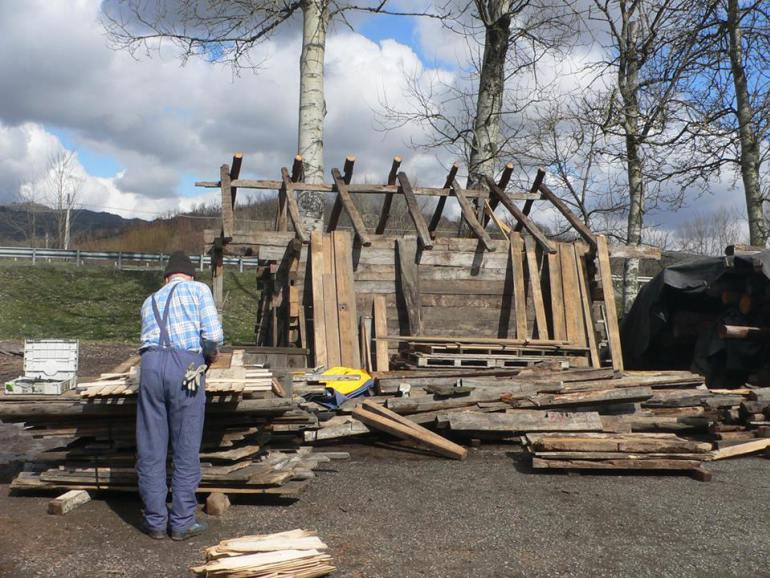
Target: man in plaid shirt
column 180, row 329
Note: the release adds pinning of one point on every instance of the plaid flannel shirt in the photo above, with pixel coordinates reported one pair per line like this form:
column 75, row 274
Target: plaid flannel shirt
column 193, row 316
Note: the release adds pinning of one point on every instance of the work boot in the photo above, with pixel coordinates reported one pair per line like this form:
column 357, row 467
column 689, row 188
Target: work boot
column 151, row 532
column 196, row 529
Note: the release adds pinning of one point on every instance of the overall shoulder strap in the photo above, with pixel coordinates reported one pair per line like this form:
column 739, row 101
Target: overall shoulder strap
column 163, row 321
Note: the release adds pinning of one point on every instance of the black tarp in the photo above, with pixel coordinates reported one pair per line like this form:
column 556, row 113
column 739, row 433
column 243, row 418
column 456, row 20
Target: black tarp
column 695, row 286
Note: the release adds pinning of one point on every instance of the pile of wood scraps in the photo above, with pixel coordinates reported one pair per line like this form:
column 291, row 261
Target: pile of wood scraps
column 293, row 554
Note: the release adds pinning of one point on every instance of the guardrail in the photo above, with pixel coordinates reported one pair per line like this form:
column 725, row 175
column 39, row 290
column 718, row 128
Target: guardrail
column 118, row 258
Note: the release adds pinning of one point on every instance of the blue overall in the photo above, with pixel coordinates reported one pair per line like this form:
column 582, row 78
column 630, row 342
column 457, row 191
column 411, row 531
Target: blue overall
column 167, row 409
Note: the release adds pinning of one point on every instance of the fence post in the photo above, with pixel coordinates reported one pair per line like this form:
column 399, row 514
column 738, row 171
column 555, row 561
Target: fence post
column 77, row 258
column 240, row 264
column 120, row 261
column 201, row 262
column 34, row 256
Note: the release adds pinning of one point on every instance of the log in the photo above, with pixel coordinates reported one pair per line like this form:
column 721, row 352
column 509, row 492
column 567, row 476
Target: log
column 743, row 332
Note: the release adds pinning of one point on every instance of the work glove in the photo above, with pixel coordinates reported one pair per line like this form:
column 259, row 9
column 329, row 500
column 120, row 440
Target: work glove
column 192, row 377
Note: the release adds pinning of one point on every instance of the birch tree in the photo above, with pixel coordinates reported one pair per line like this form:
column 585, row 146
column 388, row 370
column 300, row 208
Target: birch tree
column 732, row 99
column 62, row 188
column 652, row 49
column 226, row 31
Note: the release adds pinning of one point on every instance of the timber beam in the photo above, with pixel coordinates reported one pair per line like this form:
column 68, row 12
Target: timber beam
column 526, row 222
column 388, row 201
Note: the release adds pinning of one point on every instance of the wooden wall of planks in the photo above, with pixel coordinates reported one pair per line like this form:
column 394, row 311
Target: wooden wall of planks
column 457, row 289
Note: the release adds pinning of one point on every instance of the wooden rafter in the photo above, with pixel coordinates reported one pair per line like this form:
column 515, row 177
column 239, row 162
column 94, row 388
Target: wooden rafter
column 414, row 211
column 334, row 218
column 528, row 204
column 470, row 217
column 347, row 202
column 388, row 201
column 530, row 226
column 436, row 219
column 573, row 219
column 228, row 216
column 501, row 184
column 287, row 191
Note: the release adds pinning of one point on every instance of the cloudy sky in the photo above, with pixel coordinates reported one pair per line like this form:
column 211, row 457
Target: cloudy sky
column 146, row 127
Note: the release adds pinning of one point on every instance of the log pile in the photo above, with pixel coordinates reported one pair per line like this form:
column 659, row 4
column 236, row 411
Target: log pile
column 293, row 554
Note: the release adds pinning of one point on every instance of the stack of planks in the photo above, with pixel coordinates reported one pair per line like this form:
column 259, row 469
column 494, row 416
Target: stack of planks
column 250, row 439
column 293, row 554
column 634, row 451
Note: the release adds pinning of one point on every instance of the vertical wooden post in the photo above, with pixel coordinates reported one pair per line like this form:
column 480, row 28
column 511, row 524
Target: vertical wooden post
column 217, row 276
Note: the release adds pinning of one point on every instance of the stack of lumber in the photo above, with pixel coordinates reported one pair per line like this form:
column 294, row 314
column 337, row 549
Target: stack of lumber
column 297, row 553
column 249, row 445
column 603, row 451
column 227, row 375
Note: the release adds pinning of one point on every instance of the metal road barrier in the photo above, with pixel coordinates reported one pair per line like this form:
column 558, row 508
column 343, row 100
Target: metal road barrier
column 119, row 258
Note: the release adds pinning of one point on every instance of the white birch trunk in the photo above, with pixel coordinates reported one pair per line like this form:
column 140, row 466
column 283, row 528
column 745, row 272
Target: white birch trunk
column 628, row 82
column 749, row 157
column 312, row 107
column 486, row 129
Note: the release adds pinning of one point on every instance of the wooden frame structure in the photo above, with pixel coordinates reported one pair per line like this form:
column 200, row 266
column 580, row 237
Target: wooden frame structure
column 533, row 297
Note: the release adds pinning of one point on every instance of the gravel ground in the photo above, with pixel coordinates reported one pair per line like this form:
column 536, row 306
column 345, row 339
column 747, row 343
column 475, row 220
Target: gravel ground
column 391, row 513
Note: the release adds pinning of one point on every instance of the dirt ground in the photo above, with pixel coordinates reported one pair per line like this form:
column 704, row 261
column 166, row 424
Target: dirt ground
column 391, row 513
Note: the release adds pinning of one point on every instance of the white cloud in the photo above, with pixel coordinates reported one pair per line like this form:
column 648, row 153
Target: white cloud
column 163, row 122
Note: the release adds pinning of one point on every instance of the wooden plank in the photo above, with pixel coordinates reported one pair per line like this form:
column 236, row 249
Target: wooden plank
column 346, row 299
column 556, row 290
column 536, row 292
column 635, row 252
column 410, row 283
column 436, row 219
column 517, row 275
column 291, row 200
column 742, row 449
column 528, row 224
column 350, row 208
column 228, row 216
column 317, row 282
column 331, row 309
column 67, row 502
column 608, row 290
column 361, row 188
column 573, row 219
column 573, row 311
column 381, row 330
column 525, row 421
column 585, row 299
column 365, row 339
column 411, row 432
column 629, row 464
column 388, row 200
column 405, row 188
column 634, row 443
column 470, row 217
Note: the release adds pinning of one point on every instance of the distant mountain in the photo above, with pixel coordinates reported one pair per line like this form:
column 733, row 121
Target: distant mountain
column 16, row 224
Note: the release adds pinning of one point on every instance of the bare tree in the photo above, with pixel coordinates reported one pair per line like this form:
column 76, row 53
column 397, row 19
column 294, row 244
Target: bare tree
column 567, row 139
column 62, row 189
column 709, row 234
column 652, row 48
column 479, row 116
column 227, row 30
column 732, row 99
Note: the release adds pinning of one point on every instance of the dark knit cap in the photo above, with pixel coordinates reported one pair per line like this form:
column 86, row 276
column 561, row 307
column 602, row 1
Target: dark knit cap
column 178, row 262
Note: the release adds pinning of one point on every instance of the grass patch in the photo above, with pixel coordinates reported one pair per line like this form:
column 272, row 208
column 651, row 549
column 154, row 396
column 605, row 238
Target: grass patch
column 101, row 304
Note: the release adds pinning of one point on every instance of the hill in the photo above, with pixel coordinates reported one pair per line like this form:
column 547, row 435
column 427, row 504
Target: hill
column 100, row 303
